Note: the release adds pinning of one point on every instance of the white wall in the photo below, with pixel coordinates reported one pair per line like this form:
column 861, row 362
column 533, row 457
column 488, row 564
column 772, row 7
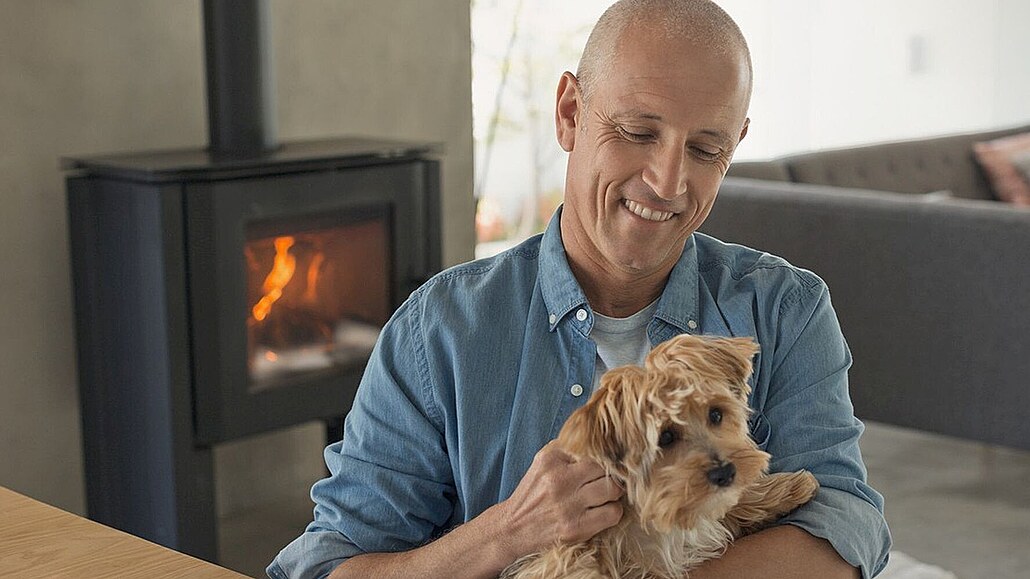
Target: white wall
column 1012, row 62
column 834, row 73
column 81, row 77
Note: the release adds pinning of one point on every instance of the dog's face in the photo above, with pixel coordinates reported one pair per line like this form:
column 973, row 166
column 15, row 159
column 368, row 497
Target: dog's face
column 675, row 431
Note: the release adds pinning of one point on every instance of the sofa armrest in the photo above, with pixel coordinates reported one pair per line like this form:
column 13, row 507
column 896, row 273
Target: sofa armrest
column 933, row 298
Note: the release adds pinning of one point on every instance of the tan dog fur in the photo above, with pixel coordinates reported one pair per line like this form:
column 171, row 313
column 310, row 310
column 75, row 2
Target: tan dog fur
column 674, row 517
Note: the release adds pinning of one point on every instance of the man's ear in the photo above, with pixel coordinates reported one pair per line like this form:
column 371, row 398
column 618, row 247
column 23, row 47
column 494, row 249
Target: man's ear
column 566, row 110
column 743, row 131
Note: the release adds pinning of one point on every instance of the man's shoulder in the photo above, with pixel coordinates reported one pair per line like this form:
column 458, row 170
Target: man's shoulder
column 720, row 262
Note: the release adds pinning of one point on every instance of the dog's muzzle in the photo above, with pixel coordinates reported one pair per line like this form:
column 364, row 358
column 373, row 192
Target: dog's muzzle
column 722, row 475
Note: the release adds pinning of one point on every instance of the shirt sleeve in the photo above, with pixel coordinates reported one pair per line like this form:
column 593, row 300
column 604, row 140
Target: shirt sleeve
column 390, row 486
column 812, row 426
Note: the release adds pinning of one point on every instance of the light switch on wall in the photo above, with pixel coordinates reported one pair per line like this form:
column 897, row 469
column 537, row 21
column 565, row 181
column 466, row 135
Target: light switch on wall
column 917, row 52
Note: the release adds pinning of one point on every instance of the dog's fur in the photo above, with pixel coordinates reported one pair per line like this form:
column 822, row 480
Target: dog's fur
column 674, row 517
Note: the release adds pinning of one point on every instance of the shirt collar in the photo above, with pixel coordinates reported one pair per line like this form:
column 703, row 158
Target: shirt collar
column 678, row 305
column 560, row 289
column 562, row 293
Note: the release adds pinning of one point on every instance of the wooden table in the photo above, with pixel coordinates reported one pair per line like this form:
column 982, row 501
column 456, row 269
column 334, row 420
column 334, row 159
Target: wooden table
column 37, row 540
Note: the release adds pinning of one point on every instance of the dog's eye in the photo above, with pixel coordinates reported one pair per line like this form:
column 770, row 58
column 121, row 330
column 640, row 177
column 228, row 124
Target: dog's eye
column 666, row 438
column 715, row 416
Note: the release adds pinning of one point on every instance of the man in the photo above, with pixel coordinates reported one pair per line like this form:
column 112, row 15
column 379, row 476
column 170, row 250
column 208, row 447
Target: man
column 445, row 470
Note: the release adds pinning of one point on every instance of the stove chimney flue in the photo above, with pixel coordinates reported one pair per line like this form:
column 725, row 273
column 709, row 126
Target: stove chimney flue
column 240, row 84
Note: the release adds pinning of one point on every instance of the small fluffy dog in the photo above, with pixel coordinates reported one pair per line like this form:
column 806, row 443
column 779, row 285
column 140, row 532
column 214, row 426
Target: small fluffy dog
column 675, row 434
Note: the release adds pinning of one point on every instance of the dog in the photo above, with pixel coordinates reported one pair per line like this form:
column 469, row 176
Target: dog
column 674, row 434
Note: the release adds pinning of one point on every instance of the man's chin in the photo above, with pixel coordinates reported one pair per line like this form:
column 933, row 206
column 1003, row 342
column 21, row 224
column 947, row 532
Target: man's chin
column 637, row 255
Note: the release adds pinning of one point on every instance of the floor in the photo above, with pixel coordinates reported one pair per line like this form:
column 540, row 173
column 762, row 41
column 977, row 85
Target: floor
column 961, row 506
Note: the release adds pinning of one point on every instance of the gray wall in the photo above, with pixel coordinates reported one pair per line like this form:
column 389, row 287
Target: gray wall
column 93, row 76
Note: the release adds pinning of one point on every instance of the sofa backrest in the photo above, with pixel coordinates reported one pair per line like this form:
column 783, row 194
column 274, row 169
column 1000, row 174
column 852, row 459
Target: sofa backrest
column 915, row 166
column 764, row 170
column 933, row 296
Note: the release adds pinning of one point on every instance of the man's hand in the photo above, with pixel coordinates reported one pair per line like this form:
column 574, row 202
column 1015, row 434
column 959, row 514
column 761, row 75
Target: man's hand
column 560, row 500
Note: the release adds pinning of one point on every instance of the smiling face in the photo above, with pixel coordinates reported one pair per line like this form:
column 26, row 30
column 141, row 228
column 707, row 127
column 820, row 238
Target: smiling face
column 647, row 152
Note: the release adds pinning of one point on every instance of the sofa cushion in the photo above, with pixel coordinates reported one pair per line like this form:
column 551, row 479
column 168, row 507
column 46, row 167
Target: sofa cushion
column 1022, row 162
column 999, row 160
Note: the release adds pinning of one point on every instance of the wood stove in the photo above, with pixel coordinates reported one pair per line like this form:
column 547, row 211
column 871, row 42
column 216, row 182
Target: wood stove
column 218, row 299
column 233, row 290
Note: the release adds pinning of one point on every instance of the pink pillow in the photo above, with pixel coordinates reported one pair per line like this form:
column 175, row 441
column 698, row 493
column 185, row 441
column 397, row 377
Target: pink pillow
column 997, row 158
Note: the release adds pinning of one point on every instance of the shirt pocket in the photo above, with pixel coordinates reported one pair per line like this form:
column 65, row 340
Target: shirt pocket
column 758, row 426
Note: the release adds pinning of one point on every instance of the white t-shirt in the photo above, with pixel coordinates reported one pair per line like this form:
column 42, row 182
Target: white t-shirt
column 621, row 341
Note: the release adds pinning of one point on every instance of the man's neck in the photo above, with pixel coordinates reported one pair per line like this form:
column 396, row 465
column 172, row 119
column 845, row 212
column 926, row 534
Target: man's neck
column 610, row 290
column 615, row 295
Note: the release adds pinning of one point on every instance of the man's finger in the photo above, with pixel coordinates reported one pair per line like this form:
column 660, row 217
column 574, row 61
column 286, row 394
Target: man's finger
column 600, row 491
column 587, row 470
column 599, row 518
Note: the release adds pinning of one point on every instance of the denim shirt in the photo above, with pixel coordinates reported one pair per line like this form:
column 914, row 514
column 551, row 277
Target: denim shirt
column 479, row 369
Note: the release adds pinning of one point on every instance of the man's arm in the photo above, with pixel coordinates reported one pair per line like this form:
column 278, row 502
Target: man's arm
column 559, row 500
column 805, row 420
column 785, row 552
column 472, row 550
column 391, row 488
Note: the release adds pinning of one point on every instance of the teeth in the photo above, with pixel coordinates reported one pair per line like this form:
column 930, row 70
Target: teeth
column 649, row 214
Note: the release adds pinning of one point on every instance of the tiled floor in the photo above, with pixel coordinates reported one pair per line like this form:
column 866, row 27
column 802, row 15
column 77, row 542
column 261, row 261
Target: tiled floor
column 962, row 506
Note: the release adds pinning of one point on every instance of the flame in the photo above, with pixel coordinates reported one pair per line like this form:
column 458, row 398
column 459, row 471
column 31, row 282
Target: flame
column 311, row 291
column 281, row 274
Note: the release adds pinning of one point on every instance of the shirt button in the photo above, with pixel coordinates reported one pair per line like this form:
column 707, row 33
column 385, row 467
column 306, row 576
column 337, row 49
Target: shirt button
column 581, row 315
column 692, row 325
column 576, row 389
column 553, row 318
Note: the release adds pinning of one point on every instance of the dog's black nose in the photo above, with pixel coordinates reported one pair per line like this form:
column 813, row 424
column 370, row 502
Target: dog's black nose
column 722, row 475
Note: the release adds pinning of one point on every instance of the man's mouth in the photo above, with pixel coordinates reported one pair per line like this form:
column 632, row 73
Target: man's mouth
column 648, row 214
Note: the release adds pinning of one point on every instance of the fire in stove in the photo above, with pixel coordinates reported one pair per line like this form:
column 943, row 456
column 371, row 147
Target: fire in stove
column 317, row 300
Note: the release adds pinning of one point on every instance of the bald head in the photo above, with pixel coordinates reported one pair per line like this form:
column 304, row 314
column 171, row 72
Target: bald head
column 700, row 22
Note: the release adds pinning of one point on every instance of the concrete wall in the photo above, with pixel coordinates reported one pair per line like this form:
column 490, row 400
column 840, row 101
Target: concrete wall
column 91, row 76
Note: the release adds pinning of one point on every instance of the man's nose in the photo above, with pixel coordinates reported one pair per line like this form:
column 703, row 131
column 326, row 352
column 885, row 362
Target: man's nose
column 667, row 173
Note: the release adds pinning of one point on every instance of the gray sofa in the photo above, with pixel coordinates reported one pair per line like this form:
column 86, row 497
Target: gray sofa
column 932, row 292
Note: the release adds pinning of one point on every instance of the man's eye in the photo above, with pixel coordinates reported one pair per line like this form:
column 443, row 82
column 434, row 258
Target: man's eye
column 706, row 155
column 639, row 137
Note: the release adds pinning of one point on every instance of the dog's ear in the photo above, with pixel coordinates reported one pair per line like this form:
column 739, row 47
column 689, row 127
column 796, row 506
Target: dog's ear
column 715, row 357
column 604, row 427
column 735, row 357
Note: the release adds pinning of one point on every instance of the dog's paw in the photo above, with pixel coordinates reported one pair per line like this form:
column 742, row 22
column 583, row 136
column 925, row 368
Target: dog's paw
column 769, row 498
column 789, row 490
column 802, row 486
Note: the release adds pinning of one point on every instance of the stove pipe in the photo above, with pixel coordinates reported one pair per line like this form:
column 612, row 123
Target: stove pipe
column 240, row 84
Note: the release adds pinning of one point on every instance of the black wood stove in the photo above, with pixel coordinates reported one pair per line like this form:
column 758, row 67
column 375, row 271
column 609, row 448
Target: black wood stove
column 234, row 290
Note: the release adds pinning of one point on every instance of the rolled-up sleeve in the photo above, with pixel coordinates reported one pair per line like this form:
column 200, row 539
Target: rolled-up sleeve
column 390, row 486
column 812, row 426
